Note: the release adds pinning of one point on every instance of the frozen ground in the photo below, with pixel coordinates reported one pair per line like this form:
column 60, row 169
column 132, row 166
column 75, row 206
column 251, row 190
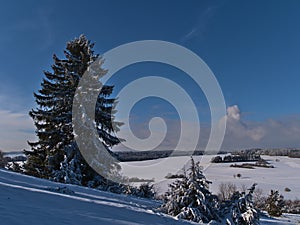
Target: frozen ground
column 285, row 174
column 26, row 200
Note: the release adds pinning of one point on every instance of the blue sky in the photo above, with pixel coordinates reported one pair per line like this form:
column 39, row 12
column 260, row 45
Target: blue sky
column 253, row 48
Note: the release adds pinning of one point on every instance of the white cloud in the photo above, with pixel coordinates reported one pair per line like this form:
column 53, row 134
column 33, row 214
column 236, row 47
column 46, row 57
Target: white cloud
column 15, row 130
column 161, row 135
column 266, row 134
column 234, row 112
column 238, row 129
column 17, row 127
column 240, row 133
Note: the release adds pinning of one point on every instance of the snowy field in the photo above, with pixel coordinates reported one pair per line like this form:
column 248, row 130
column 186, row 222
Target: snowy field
column 285, row 174
column 26, row 200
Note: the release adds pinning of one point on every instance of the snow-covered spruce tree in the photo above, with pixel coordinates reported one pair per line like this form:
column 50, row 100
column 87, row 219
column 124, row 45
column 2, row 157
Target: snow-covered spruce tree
column 274, row 204
column 239, row 210
column 189, row 198
column 56, row 155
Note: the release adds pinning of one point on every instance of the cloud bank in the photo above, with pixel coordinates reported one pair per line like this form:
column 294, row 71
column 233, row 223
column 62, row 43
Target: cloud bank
column 240, row 133
column 15, row 130
column 270, row 133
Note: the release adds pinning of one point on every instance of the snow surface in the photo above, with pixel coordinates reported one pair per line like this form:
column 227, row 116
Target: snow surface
column 285, row 174
column 28, row 200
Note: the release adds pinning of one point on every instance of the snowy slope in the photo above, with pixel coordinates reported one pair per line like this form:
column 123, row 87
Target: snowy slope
column 27, row 200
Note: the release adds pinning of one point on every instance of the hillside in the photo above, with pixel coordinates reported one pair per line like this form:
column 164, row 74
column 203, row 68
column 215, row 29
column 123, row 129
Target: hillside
column 28, row 200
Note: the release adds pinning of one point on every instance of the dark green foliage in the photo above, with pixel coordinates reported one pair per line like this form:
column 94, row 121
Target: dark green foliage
column 292, row 206
column 242, row 156
column 56, row 155
column 3, row 161
column 15, row 167
column 144, row 190
column 274, row 204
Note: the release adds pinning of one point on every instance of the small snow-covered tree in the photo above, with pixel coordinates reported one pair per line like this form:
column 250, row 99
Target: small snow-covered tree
column 274, row 204
column 240, row 210
column 174, row 198
column 189, row 198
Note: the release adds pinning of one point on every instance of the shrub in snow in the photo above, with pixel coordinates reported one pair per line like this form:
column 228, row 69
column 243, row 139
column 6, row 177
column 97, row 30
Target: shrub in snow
column 144, row 191
column 259, row 199
column 3, row 161
column 292, row 206
column 63, row 190
column 274, row 204
column 226, row 190
column 189, row 198
column 14, row 166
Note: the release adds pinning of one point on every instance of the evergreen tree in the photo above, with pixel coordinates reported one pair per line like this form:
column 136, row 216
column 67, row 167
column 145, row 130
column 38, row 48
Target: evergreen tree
column 239, row 210
column 190, row 198
column 56, row 155
column 274, row 204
